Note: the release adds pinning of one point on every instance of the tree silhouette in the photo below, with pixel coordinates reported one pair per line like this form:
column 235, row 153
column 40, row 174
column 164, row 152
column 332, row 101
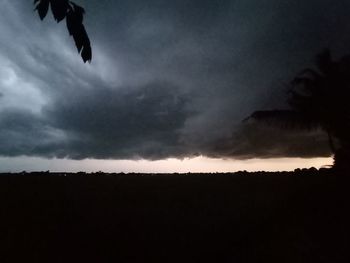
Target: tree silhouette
column 74, row 14
column 319, row 98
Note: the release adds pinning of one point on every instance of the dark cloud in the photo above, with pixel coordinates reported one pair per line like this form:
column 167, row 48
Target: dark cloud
column 131, row 122
column 24, row 133
column 256, row 140
column 168, row 79
column 140, row 122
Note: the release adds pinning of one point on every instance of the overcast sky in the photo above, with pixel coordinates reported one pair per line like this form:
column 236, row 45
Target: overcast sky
column 168, row 79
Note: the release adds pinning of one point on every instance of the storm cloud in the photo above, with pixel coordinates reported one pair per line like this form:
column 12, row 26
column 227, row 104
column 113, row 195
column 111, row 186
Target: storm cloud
column 168, row 79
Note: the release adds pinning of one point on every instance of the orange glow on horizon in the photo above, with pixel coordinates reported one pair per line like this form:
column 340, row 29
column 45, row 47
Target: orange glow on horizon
column 193, row 165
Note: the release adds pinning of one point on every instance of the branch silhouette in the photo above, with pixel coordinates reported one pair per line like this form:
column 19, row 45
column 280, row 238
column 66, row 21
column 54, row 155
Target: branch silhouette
column 74, row 15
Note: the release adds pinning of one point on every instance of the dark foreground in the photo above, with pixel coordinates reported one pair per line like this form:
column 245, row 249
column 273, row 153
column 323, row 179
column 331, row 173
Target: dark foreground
column 275, row 217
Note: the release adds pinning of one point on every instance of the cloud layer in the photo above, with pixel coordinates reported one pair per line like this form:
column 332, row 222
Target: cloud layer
column 168, row 79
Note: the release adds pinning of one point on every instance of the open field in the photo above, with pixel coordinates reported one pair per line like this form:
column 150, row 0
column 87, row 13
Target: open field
column 258, row 217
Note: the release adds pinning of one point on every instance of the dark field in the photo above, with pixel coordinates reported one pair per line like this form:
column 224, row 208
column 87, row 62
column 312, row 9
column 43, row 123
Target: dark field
column 260, row 217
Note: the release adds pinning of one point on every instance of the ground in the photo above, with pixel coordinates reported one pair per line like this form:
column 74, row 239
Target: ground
column 299, row 216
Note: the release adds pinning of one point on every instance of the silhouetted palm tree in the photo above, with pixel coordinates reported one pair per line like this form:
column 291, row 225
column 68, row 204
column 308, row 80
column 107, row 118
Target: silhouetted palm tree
column 73, row 13
column 319, row 98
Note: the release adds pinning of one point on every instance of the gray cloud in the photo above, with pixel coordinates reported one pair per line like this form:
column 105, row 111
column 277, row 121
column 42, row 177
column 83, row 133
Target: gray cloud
column 260, row 140
column 26, row 133
column 168, row 79
column 131, row 122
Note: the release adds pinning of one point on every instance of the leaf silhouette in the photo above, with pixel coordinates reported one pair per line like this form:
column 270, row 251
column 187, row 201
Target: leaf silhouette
column 77, row 30
column 86, row 54
column 42, row 6
column 78, row 12
column 74, row 15
column 59, row 9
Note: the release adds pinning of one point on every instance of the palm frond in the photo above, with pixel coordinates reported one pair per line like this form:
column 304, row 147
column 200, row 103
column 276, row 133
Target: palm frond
column 285, row 119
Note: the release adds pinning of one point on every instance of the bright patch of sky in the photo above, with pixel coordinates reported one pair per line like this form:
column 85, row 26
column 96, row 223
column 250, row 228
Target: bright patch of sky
column 193, row 165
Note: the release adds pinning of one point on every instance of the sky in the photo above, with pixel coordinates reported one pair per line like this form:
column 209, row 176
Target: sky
column 168, row 87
